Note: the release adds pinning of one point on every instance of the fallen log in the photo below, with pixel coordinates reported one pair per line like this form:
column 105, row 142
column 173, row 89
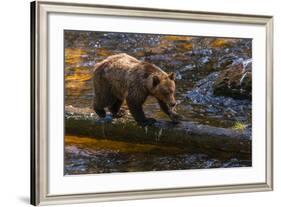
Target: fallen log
column 190, row 135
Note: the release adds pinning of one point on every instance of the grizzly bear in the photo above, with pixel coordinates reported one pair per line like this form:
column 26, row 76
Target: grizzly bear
column 122, row 77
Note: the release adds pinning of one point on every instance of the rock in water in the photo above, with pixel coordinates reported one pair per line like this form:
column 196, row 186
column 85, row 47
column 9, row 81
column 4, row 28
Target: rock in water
column 234, row 82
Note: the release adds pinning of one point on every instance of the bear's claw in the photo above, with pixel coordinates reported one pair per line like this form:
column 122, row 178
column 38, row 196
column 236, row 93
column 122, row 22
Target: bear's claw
column 175, row 118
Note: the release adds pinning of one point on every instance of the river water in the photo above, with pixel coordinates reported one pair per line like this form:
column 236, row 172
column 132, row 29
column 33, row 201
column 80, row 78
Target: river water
column 193, row 59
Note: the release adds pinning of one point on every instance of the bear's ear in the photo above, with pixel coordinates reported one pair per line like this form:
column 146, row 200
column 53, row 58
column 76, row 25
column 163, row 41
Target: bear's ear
column 172, row 76
column 155, row 80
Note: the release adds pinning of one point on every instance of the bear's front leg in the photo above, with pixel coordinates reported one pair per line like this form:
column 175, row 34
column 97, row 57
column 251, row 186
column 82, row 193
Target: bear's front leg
column 138, row 114
column 173, row 115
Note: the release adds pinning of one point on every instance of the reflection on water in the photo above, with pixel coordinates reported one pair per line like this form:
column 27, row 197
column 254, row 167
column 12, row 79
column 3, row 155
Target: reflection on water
column 88, row 155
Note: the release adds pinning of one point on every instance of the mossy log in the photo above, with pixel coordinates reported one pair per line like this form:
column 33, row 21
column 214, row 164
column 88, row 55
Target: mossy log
column 186, row 134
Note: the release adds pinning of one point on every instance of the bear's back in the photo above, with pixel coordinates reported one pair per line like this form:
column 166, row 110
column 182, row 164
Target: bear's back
column 121, row 61
column 123, row 67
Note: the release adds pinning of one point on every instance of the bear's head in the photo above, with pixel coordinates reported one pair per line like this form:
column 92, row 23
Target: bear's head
column 162, row 87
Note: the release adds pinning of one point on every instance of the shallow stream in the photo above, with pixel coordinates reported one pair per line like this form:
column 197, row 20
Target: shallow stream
column 192, row 58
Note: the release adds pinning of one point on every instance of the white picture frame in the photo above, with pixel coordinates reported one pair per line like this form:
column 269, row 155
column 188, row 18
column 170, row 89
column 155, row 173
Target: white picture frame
column 44, row 136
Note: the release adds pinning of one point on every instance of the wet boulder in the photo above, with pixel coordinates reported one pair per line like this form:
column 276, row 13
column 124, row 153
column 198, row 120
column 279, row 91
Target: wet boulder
column 219, row 106
column 235, row 82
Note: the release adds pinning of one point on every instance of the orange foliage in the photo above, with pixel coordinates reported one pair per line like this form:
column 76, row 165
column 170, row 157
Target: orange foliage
column 102, row 52
column 78, row 76
column 176, row 38
column 221, row 42
column 73, row 55
column 186, row 46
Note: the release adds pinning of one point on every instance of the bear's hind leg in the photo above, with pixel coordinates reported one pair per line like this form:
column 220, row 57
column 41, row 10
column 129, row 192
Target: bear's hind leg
column 99, row 109
column 115, row 109
column 100, row 112
column 102, row 97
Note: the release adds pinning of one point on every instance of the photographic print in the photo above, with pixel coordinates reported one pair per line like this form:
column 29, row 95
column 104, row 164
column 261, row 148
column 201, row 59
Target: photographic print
column 137, row 103
column 150, row 102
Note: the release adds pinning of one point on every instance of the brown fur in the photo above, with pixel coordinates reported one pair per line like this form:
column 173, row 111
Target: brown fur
column 122, row 77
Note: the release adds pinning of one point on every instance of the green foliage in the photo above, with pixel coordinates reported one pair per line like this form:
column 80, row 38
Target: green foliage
column 239, row 126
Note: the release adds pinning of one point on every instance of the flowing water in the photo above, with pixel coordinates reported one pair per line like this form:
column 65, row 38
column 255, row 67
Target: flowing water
column 193, row 59
column 89, row 155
